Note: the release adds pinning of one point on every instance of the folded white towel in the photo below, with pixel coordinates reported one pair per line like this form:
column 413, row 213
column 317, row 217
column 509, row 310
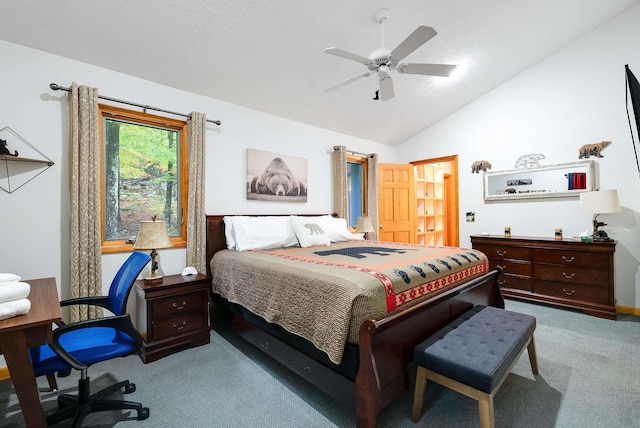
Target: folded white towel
column 14, row 308
column 9, row 277
column 14, row 291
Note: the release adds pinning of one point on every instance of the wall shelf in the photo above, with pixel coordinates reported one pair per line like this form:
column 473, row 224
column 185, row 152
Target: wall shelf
column 16, row 171
column 552, row 181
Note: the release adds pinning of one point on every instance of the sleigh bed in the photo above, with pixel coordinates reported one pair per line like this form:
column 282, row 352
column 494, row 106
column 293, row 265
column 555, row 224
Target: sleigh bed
column 358, row 345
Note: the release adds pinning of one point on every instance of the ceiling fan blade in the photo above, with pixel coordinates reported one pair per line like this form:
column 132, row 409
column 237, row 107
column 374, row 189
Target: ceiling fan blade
column 419, row 37
column 444, row 70
column 386, row 87
column 346, row 82
column 347, row 55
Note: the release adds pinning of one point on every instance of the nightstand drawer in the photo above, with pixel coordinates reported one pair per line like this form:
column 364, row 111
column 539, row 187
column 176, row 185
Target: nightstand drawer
column 174, row 305
column 174, row 326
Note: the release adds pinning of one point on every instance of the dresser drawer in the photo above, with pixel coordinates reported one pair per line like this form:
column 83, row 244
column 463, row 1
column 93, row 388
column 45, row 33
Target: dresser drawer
column 577, row 292
column 174, row 305
column 572, row 274
column 177, row 325
column 504, row 252
column 512, row 267
column 568, row 257
column 514, row 281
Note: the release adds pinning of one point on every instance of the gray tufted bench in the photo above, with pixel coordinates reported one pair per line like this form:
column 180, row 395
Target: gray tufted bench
column 473, row 355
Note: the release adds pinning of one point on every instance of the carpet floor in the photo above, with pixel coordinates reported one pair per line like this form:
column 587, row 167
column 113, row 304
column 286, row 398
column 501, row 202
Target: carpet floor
column 589, row 377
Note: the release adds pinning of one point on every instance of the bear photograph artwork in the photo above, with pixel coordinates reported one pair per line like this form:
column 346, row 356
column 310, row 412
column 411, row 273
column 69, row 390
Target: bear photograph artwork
column 276, row 178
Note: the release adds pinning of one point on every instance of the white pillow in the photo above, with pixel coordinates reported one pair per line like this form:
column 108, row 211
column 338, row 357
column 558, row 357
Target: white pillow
column 262, row 233
column 229, row 233
column 309, row 231
column 337, row 229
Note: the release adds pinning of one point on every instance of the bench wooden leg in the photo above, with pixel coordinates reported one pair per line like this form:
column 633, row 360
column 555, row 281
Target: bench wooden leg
column 53, row 385
column 485, row 405
column 533, row 359
column 418, row 394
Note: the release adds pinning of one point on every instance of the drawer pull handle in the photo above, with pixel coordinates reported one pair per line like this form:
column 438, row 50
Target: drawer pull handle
column 569, row 293
column 175, row 305
column 181, row 326
column 569, row 276
column 502, row 267
column 568, row 260
column 501, row 253
column 501, row 282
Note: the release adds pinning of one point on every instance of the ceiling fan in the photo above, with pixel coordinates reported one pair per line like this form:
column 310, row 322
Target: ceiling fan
column 383, row 60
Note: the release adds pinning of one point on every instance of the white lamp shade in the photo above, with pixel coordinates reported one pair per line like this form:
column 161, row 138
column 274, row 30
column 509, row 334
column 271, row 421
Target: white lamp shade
column 364, row 225
column 152, row 235
column 600, row 202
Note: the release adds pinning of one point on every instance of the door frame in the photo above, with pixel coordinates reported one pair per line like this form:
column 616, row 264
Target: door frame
column 452, row 196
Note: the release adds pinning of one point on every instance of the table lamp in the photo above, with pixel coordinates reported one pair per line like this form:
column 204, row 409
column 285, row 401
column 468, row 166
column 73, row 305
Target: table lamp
column 152, row 235
column 364, row 225
column 596, row 203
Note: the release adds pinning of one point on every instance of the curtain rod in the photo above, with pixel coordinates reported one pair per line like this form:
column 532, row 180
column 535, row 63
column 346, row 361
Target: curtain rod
column 57, row 87
column 351, row 152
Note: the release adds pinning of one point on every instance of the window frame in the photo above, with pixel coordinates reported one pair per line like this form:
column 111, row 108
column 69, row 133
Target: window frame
column 125, row 245
column 364, row 161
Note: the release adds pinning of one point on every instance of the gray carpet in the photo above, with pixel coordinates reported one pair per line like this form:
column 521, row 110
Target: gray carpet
column 589, row 377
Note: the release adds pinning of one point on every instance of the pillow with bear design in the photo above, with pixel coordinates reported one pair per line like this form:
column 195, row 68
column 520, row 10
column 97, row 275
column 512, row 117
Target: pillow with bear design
column 309, row 232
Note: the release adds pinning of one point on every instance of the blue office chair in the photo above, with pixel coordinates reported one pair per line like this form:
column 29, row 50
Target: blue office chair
column 81, row 344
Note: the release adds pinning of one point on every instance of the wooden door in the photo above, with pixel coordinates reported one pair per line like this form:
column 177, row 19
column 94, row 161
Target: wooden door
column 396, row 204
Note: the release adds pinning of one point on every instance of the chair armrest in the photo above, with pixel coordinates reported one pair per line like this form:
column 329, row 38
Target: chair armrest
column 102, row 301
column 122, row 323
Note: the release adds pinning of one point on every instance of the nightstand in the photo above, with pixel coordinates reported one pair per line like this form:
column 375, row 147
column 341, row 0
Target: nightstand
column 173, row 314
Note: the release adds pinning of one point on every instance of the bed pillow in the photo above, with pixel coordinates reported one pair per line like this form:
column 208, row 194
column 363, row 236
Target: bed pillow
column 262, row 233
column 229, row 234
column 338, row 230
column 309, row 231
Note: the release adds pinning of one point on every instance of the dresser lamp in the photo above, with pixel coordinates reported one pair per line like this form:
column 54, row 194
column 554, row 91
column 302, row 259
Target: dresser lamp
column 151, row 236
column 364, row 225
column 596, row 203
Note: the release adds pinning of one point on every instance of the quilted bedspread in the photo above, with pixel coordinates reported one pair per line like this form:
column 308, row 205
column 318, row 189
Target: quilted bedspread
column 325, row 293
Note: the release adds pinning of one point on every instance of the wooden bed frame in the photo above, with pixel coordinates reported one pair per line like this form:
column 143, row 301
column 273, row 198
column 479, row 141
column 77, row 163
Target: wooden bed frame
column 385, row 345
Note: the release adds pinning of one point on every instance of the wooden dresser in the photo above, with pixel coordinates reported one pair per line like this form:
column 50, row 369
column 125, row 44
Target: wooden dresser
column 567, row 272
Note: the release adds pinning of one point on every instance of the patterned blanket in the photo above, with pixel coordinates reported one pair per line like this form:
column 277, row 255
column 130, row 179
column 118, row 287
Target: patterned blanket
column 325, row 293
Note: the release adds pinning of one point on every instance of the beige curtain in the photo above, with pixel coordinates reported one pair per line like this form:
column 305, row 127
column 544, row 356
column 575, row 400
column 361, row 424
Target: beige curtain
column 339, row 176
column 86, row 253
column 372, row 195
column 196, row 221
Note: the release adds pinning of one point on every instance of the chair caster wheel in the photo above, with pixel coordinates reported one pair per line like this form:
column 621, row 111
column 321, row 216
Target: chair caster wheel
column 143, row 413
column 128, row 389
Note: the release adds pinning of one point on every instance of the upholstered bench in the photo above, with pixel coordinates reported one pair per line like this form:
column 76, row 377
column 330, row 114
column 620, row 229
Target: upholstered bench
column 473, row 355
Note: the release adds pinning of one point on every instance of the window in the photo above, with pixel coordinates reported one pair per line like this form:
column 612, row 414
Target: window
column 357, row 188
column 144, row 174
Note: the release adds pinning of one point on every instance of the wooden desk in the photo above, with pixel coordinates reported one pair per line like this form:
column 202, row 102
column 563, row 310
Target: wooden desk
column 20, row 333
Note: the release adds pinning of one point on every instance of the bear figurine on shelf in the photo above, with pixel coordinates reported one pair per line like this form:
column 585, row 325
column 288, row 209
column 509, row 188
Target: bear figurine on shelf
column 5, row 151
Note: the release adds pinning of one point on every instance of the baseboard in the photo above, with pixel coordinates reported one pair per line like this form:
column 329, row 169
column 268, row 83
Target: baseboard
column 630, row 310
column 4, row 373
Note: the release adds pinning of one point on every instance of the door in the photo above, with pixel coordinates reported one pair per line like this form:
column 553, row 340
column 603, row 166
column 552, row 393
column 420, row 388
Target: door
column 396, row 203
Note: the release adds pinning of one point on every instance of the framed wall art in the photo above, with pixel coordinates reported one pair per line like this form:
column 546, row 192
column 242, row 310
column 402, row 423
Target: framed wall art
column 276, row 177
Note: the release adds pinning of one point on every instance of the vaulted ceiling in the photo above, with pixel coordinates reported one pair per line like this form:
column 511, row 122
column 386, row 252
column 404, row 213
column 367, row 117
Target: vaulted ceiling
column 268, row 55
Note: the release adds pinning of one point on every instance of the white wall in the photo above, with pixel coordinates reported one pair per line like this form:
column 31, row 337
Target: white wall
column 574, row 97
column 34, row 241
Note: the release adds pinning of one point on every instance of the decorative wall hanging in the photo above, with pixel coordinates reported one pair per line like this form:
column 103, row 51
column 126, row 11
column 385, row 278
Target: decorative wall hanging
column 20, row 162
column 480, row 165
column 275, row 177
column 529, row 161
column 592, row 150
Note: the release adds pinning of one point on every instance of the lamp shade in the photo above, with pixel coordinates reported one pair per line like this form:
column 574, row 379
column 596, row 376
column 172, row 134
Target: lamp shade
column 600, row 202
column 152, row 235
column 364, row 225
